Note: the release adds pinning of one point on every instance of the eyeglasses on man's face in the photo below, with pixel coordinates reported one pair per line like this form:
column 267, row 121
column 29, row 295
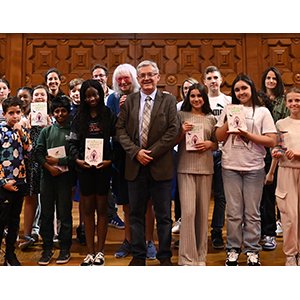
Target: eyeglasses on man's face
column 145, row 75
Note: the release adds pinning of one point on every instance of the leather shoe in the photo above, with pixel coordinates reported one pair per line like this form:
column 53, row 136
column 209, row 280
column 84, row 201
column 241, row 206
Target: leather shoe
column 165, row 262
column 137, row 262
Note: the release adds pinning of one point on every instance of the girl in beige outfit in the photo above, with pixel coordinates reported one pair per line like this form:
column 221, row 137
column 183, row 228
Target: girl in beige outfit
column 288, row 179
column 195, row 171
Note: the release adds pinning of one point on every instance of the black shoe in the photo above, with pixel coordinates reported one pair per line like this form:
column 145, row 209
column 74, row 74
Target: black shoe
column 80, row 232
column 45, row 258
column 63, row 257
column 217, row 239
column 165, row 262
column 232, row 258
column 11, row 260
column 137, row 262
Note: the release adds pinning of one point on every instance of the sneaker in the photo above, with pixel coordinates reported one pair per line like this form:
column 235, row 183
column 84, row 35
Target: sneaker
column 217, row 239
column 291, row 261
column 116, row 222
column 27, row 242
column 279, row 230
column 253, row 259
column 80, row 233
column 11, row 260
column 176, row 227
column 124, row 250
column 151, row 250
column 232, row 258
column 99, row 259
column 63, row 257
column 269, row 242
column 88, row 260
column 45, row 258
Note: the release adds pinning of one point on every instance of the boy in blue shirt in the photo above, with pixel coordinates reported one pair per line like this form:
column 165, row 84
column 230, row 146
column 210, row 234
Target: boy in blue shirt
column 15, row 144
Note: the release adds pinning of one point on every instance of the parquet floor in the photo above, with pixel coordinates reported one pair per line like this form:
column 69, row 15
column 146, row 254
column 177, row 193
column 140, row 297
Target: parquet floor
column 115, row 238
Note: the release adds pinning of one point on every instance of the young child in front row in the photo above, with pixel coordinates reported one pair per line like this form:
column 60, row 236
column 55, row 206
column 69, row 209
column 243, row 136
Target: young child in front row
column 56, row 181
column 288, row 178
column 195, row 171
column 15, row 144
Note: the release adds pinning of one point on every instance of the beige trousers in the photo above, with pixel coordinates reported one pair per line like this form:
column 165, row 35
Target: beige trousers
column 288, row 202
column 194, row 194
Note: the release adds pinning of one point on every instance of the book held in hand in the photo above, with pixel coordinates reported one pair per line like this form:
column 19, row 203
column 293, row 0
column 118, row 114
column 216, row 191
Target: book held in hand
column 93, row 151
column 236, row 118
column 194, row 136
column 38, row 113
column 58, row 152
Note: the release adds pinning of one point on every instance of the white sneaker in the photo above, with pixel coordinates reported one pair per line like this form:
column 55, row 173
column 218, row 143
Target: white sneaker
column 176, row 227
column 88, row 260
column 291, row 261
column 99, row 259
column 269, row 243
column 253, row 259
column 279, row 230
column 232, row 258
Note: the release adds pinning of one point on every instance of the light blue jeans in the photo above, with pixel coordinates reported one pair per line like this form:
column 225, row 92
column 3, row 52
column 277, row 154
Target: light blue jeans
column 243, row 191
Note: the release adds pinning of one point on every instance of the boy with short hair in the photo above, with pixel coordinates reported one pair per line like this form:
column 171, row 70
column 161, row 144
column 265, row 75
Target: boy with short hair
column 56, row 181
column 15, row 144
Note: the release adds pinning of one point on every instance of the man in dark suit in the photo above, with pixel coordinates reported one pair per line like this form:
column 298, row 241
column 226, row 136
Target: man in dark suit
column 149, row 160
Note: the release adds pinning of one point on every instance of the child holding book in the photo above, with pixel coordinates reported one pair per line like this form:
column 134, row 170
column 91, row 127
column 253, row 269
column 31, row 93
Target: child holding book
column 94, row 121
column 52, row 153
column 287, row 153
column 243, row 171
column 195, row 171
column 15, row 144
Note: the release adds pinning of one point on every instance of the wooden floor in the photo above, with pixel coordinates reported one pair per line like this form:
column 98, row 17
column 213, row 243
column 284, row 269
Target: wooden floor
column 115, row 238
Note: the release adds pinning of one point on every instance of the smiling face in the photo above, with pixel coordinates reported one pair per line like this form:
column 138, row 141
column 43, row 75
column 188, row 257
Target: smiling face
column 92, row 97
column 39, row 95
column 148, row 79
column 293, row 104
column 26, row 97
column 271, row 80
column 243, row 93
column 124, row 81
column 196, row 100
column 53, row 83
column 61, row 115
column 75, row 94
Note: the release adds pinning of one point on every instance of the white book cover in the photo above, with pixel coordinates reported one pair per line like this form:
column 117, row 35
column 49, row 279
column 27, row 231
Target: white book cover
column 38, row 114
column 236, row 118
column 194, row 136
column 93, row 151
column 58, row 152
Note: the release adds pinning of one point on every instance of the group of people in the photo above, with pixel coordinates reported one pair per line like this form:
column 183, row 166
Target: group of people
column 155, row 150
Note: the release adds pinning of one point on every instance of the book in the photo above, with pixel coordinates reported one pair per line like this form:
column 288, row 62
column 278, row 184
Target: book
column 194, row 136
column 38, row 114
column 93, row 151
column 58, row 152
column 236, row 118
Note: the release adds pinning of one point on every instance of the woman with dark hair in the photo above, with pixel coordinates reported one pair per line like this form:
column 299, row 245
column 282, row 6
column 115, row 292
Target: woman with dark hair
column 243, row 171
column 272, row 96
column 194, row 173
column 94, row 121
column 53, row 81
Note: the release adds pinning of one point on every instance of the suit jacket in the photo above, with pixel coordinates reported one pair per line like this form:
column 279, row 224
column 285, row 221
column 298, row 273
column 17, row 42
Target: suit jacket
column 163, row 130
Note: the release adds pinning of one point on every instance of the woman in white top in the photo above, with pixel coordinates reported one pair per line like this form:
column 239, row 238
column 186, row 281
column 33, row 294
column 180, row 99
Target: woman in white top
column 243, row 171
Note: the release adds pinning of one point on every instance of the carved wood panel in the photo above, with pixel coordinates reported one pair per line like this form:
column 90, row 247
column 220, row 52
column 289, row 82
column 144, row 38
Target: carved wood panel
column 178, row 55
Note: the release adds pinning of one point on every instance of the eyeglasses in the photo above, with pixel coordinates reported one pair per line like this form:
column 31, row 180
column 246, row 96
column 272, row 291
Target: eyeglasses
column 144, row 75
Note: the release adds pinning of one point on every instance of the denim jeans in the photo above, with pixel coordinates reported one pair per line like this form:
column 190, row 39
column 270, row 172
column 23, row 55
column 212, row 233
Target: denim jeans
column 243, row 191
column 218, row 217
column 140, row 191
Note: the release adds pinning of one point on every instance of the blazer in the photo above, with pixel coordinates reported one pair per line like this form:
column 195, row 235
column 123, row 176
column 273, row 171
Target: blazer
column 163, row 130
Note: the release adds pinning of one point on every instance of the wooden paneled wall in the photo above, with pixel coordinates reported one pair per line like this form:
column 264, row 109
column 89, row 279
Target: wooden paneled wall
column 24, row 58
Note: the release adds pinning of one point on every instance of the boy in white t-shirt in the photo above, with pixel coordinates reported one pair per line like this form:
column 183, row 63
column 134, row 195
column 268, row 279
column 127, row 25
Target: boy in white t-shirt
column 217, row 100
